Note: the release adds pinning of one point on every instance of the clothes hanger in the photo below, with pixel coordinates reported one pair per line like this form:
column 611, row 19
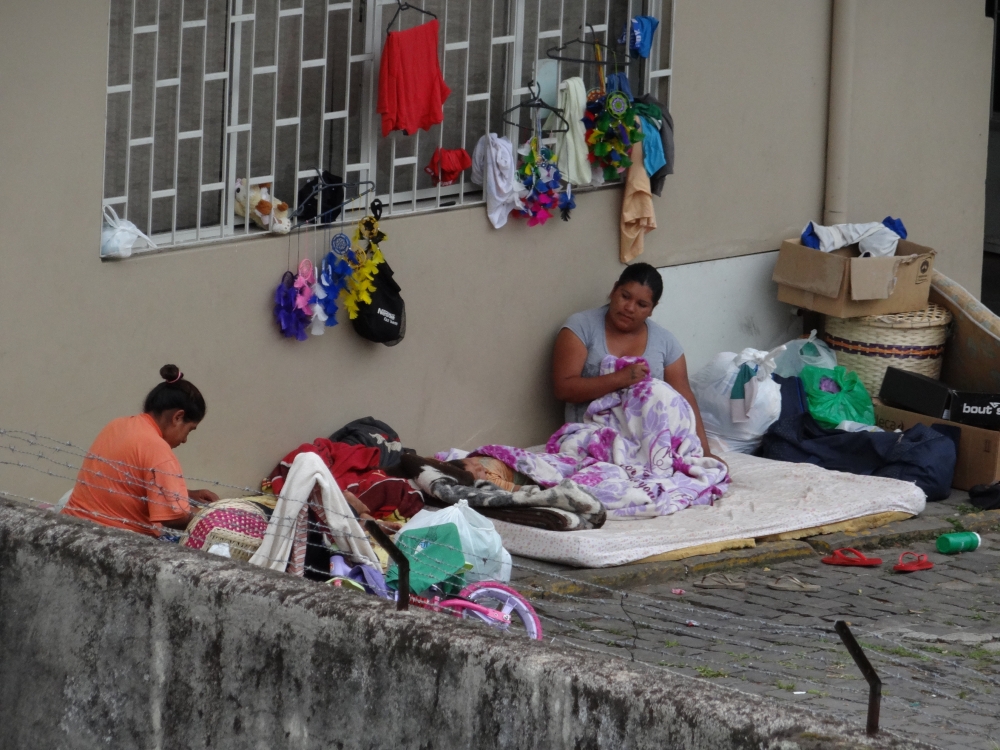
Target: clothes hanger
column 553, row 52
column 321, row 185
column 406, row 6
column 536, row 103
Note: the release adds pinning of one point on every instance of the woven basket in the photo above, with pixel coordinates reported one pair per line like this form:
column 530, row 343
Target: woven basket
column 239, row 523
column 913, row 341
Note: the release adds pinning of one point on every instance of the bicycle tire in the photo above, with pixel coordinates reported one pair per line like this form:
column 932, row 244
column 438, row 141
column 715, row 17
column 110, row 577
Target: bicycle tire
column 512, row 602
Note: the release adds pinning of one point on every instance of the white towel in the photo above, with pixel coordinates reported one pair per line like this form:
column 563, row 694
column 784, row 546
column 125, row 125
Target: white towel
column 571, row 146
column 494, row 167
column 307, row 470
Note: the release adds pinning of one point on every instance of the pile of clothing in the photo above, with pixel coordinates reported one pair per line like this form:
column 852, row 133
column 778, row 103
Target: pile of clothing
column 303, row 515
column 803, row 433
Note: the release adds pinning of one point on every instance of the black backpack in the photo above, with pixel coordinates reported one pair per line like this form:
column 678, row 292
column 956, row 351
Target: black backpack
column 383, row 320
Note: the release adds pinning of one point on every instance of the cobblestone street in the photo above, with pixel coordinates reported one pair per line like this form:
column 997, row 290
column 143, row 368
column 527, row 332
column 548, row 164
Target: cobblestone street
column 932, row 636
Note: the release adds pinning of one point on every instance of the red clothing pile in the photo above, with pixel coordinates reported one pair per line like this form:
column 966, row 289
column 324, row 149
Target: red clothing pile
column 447, row 164
column 411, row 89
column 356, row 469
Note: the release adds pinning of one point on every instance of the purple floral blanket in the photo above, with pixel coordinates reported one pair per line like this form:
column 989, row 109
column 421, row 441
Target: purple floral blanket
column 637, row 450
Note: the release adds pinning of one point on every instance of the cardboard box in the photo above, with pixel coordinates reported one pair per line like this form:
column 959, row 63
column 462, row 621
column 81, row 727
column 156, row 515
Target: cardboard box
column 976, row 409
column 915, row 392
column 847, row 286
column 978, row 449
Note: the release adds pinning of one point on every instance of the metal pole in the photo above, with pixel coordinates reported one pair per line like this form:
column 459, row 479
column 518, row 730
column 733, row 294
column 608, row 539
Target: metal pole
column 874, row 683
column 403, row 600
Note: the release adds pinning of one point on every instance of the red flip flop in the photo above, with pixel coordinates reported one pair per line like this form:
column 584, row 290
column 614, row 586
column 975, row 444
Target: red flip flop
column 850, row 556
column 919, row 562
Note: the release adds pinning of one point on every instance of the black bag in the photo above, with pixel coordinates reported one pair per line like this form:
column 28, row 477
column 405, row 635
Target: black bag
column 310, row 196
column 383, row 320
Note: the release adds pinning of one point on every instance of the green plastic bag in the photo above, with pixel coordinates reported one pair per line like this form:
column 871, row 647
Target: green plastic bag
column 435, row 555
column 851, row 402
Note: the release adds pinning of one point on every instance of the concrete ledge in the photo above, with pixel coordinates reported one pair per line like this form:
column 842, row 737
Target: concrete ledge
column 110, row 639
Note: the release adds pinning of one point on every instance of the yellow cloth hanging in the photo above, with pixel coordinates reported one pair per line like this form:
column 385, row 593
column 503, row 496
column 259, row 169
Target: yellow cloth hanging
column 638, row 216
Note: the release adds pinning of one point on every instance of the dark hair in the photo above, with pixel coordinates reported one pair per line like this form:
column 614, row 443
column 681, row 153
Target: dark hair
column 175, row 393
column 644, row 274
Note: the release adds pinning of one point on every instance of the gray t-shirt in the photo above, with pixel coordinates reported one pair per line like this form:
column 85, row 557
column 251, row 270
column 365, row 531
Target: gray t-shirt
column 662, row 349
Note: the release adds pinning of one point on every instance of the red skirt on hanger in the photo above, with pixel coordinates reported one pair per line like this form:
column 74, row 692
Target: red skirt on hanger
column 411, row 89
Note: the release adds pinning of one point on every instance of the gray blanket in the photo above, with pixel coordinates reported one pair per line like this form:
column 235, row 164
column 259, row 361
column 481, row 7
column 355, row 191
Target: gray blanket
column 565, row 507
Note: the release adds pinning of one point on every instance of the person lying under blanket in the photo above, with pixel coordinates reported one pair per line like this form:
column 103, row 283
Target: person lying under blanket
column 494, row 471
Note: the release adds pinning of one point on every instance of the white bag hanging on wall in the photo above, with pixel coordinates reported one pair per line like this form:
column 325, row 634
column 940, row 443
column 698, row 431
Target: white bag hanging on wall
column 119, row 236
column 713, row 387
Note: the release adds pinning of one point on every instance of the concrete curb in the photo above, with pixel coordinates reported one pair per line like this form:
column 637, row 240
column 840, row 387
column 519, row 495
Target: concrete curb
column 904, row 533
column 592, row 581
column 108, row 638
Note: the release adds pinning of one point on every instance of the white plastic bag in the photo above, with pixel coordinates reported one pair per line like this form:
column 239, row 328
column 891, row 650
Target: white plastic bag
column 118, row 236
column 713, row 386
column 801, row 352
column 481, row 544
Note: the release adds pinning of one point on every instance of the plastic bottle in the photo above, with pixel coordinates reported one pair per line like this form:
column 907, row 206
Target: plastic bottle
column 960, row 541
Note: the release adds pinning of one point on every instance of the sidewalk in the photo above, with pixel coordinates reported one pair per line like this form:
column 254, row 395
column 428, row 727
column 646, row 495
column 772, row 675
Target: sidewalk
column 933, row 636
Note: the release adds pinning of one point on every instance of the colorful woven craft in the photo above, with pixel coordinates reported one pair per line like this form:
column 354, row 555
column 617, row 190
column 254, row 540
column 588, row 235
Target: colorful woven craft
column 360, row 284
column 540, row 176
column 612, row 128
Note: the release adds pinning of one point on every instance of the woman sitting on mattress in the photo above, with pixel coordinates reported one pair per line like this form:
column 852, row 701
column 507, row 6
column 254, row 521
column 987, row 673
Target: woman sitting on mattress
column 623, row 328
column 131, row 478
column 632, row 440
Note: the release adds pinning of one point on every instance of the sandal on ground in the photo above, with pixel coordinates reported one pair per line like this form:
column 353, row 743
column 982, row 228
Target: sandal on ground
column 720, row 581
column 919, row 562
column 791, row 583
column 850, row 556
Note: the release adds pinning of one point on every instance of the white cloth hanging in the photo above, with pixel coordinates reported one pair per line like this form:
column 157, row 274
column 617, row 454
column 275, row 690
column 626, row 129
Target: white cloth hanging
column 571, row 146
column 494, row 167
column 307, row 471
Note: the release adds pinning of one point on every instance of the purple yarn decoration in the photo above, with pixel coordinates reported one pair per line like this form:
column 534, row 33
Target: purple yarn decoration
column 291, row 320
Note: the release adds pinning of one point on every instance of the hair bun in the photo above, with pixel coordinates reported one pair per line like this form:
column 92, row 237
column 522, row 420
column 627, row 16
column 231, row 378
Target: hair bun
column 170, row 373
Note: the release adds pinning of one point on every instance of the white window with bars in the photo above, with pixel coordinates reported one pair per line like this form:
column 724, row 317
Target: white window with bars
column 202, row 92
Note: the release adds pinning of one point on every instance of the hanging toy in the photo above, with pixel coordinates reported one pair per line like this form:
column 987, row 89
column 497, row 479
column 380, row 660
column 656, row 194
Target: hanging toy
column 337, row 268
column 566, row 202
column 612, row 128
column 303, row 285
column 540, row 176
column 360, row 284
column 291, row 319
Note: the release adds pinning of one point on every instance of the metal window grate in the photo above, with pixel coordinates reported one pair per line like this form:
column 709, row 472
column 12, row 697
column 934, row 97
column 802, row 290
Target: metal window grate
column 202, row 92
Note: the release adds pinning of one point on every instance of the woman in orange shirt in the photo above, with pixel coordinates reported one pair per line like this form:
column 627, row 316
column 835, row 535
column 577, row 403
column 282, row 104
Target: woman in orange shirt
column 131, row 478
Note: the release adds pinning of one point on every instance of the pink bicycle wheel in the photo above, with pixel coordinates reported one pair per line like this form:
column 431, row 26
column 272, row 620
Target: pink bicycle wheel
column 507, row 600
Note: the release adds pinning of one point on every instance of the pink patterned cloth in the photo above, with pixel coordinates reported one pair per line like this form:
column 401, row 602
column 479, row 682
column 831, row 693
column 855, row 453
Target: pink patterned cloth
column 234, row 519
column 637, row 450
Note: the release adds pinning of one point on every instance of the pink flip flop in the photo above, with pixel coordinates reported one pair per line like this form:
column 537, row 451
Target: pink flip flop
column 850, row 556
column 919, row 562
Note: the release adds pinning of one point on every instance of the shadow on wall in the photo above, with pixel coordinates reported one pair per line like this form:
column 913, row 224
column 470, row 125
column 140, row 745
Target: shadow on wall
column 725, row 305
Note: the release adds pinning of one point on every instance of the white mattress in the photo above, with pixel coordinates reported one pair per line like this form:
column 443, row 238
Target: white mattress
column 766, row 497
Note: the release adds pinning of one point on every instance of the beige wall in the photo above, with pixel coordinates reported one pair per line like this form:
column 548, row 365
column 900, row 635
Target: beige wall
column 83, row 340
column 920, row 125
